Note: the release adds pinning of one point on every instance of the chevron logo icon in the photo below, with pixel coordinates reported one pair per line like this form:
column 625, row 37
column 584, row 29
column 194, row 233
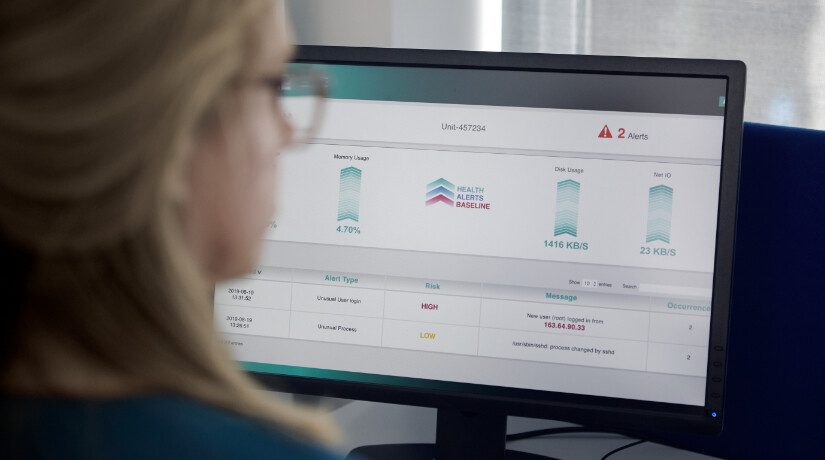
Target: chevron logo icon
column 659, row 209
column 349, row 191
column 440, row 191
column 567, row 208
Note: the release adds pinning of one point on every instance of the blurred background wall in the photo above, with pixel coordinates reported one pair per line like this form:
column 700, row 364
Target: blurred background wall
column 782, row 43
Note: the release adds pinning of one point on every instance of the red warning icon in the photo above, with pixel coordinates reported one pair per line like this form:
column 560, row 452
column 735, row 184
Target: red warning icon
column 605, row 133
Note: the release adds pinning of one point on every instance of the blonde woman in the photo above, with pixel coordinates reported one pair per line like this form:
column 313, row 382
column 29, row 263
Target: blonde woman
column 138, row 153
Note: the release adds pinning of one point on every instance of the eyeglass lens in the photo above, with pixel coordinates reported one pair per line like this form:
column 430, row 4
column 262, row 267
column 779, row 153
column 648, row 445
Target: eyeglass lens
column 302, row 96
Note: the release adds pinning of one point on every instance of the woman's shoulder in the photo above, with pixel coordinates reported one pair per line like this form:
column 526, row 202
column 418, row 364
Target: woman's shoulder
column 158, row 426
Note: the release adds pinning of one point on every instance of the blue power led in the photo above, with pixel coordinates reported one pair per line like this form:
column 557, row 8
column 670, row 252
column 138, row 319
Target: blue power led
column 713, row 414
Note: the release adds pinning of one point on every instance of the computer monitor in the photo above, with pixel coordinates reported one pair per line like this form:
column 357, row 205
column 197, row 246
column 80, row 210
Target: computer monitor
column 538, row 235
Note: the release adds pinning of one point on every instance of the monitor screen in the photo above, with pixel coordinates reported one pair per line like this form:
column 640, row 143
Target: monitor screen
column 493, row 231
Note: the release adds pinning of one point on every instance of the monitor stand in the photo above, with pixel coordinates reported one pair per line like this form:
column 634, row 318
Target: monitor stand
column 458, row 434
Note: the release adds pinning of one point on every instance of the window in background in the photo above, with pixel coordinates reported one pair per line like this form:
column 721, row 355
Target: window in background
column 782, row 43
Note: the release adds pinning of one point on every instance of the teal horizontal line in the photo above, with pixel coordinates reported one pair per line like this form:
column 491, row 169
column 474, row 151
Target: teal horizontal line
column 568, row 183
column 560, row 220
column 564, row 232
column 561, row 223
column 566, row 224
column 442, row 182
column 657, row 238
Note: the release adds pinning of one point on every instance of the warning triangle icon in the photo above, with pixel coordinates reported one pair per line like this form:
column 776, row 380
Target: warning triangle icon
column 605, row 133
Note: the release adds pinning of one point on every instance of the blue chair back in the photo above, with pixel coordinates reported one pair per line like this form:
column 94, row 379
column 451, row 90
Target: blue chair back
column 775, row 394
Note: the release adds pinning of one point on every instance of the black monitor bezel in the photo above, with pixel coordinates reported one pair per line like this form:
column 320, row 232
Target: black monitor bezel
column 599, row 412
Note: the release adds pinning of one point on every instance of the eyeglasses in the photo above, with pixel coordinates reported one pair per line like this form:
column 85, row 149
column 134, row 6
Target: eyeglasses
column 302, row 94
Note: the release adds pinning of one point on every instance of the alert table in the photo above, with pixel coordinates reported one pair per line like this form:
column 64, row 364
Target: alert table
column 620, row 331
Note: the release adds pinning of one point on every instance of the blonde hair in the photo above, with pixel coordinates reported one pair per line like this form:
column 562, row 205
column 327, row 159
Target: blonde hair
column 100, row 102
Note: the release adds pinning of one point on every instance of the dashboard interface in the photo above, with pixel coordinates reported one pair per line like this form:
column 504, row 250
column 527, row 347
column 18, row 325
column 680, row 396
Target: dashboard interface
column 493, row 227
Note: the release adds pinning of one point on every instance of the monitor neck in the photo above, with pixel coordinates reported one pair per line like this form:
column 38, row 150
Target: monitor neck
column 461, row 434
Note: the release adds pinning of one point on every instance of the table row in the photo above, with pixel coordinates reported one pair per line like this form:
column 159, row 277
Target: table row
column 494, row 341
column 345, row 290
column 568, row 318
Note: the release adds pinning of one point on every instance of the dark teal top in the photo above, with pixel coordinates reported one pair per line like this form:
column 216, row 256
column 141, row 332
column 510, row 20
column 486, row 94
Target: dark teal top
column 142, row 427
